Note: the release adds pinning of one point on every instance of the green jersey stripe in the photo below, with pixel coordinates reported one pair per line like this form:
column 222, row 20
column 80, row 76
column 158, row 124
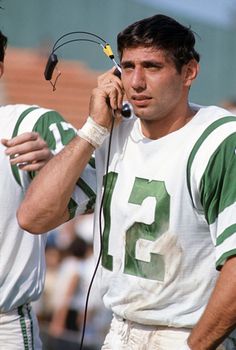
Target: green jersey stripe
column 217, row 187
column 23, row 328
column 198, row 144
column 21, row 117
column 226, row 234
column 91, row 204
column 89, row 192
column 224, row 257
column 14, row 168
column 72, row 206
column 31, row 326
column 85, row 188
column 92, row 162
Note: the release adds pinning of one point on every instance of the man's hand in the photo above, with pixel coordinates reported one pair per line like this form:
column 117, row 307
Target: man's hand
column 106, row 99
column 28, row 151
column 219, row 317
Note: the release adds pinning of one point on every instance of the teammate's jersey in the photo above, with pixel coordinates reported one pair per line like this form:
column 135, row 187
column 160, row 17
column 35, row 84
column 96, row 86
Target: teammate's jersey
column 169, row 217
column 22, row 265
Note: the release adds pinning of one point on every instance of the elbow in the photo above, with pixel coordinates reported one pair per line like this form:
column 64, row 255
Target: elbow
column 39, row 221
column 28, row 222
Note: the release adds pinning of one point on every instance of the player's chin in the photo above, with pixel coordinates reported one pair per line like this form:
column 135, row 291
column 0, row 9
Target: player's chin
column 142, row 112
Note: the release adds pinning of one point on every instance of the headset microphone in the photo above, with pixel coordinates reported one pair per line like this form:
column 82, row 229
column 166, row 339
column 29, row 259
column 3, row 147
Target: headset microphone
column 126, row 110
column 50, row 66
column 53, row 60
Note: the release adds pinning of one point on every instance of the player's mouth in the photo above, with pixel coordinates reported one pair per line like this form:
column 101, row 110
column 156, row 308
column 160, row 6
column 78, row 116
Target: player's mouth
column 140, row 100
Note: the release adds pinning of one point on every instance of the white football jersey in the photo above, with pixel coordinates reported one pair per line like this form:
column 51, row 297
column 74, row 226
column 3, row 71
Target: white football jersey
column 22, row 265
column 169, row 216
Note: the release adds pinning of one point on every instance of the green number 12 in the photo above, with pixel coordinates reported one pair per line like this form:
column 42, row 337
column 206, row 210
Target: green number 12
column 142, row 189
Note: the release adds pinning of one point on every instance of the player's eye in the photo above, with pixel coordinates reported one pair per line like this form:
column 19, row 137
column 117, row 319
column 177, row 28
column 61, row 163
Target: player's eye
column 127, row 66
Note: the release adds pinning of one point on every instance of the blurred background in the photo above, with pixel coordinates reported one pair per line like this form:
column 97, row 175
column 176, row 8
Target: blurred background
column 32, row 27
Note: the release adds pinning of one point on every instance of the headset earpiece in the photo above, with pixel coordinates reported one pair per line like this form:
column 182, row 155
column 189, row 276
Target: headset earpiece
column 51, row 64
column 126, row 110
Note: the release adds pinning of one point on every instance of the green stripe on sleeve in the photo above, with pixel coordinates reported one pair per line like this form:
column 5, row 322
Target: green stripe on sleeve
column 72, row 206
column 226, row 234
column 89, row 192
column 224, row 257
column 20, row 119
column 92, row 162
column 200, row 141
column 90, row 204
column 217, row 187
column 85, row 188
column 14, row 168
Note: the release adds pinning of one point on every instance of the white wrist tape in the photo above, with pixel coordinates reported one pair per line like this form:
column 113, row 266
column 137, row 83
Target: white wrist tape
column 92, row 132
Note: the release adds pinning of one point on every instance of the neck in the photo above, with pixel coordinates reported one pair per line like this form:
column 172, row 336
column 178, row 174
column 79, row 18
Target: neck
column 157, row 128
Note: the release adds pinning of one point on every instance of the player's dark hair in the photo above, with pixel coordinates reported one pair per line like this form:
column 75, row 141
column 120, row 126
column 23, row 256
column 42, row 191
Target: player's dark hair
column 3, row 45
column 161, row 32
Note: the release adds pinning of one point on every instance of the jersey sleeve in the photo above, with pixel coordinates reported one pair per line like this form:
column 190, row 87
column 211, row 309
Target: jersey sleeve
column 84, row 194
column 54, row 130
column 218, row 197
column 211, row 177
column 57, row 133
column 51, row 127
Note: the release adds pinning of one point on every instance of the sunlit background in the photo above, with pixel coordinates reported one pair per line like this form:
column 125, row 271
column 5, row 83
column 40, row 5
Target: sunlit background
column 36, row 25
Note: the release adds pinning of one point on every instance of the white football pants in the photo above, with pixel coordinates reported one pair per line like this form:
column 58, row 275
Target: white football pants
column 19, row 330
column 126, row 335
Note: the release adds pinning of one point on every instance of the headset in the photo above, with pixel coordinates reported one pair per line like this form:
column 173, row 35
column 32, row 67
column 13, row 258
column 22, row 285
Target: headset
column 85, row 36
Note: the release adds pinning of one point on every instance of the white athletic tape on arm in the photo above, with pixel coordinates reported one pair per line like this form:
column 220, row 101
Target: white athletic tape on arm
column 94, row 133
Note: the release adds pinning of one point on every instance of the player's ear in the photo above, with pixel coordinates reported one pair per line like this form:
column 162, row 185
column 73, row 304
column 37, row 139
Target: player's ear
column 190, row 72
column 1, row 69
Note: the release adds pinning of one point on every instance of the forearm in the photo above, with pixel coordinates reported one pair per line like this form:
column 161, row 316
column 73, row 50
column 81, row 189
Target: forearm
column 219, row 317
column 45, row 204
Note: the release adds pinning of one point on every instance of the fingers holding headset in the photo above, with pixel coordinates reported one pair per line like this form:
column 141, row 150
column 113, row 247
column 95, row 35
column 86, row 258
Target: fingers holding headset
column 106, row 98
column 112, row 79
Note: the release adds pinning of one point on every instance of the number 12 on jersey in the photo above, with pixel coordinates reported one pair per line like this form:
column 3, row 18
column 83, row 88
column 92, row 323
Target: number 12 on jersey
column 155, row 268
